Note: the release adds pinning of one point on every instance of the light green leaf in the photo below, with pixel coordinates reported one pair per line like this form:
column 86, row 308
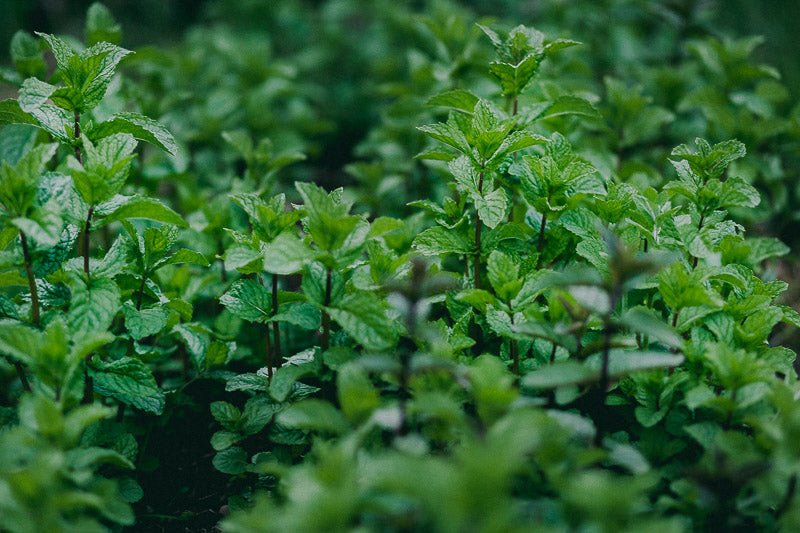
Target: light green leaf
column 623, row 362
column 286, row 254
column 644, row 320
column 12, row 113
column 248, row 300
column 142, row 207
column 571, row 105
column 302, row 315
column 232, row 461
column 492, row 207
column 93, row 306
column 184, row 256
column 101, row 26
column 145, row 322
column 314, row 415
column 285, row 377
column 439, row 240
column 141, row 127
column 457, row 99
column 130, row 381
column 560, row 374
column 362, row 316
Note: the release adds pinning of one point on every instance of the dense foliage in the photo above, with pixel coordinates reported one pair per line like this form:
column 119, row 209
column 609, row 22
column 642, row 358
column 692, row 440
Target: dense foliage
column 546, row 299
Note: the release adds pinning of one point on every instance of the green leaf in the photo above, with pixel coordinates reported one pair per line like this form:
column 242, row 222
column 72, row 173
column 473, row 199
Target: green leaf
column 362, row 316
column 95, row 456
column 439, row 240
column 286, row 254
column 20, row 340
column 492, row 207
column 12, row 113
column 141, row 127
column 644, row 320
column 243, row 257
column 450, row 134
column 285, row 377
column 130, row 381
column 477, row 297
column 560, row 374
column 184, row 256
column 314, row 284
column 357, row 395
column 43, row 226
column 226, row 414
column 145, row 322
column 104, row 169
column 514, row 78
column 457, row 99
column 232, row 461
column 115, row 260
column 18, row 184
column 248, row 300
column 535, row 284
column 225, row 439
column 560, row 44
column 571, row 105
column 93, row 306
column 101, row 26
column 503, row 271
column 515, row 142
column 314, row 415
column 737, row 192
column 61, row 50
column 258, row 411
column 302, row 315
column 142, row 207
column 27, row 55
column 248, row 382
column 623, row 362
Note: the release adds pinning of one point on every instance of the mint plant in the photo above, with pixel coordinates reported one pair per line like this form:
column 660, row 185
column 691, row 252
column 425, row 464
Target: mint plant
column 263, row 312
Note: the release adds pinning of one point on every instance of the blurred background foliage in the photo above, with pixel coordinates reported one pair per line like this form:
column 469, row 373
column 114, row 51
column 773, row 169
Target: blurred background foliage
column 156, row 22
column 345, row 83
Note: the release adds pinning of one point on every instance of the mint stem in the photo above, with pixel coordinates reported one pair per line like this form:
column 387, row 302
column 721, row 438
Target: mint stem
column 22, row 377
column 267, row 346
column 78, row 154
column 476, row 261
column 31, row 279
column 276, row 330
column 540, row 245
column 86, row 230
column 326, row 319
column 141, row 292
column 268, row 352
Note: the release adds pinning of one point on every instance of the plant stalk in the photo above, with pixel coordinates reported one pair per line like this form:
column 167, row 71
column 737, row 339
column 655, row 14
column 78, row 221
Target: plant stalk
column 140, row 295
column 604, row 379
column 476, row 261
column 514, row 349
column 326, row 319
column 78, row 154
column 31, row 279
column 788, row 497
column 276, row 329
column 268, row 352
column 267, row 345
column 540, row 244
column 87, row 227
column 699, row 227
column 22, row 377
